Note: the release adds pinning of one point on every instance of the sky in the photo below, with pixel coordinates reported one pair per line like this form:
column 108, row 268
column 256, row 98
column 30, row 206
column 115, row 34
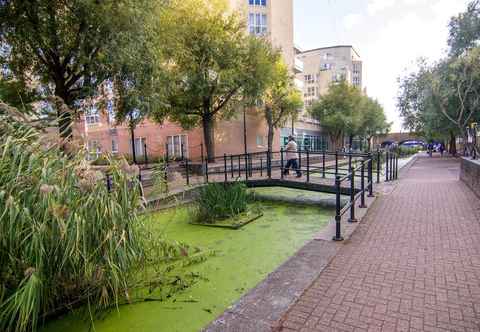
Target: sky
column 389, row 35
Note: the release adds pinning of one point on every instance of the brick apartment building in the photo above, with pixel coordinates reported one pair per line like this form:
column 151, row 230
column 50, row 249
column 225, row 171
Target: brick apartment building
column 271, row 18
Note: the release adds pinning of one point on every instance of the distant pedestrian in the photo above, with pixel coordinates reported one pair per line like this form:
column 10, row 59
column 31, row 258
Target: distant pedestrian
column 442, row 149
column 292, row 157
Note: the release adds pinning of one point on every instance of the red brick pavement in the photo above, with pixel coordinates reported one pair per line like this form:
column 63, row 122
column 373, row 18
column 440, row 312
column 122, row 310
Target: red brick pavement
column 412, row 265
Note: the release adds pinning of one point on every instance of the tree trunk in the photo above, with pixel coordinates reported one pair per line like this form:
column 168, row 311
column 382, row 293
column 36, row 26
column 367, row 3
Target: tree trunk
column 64, row 113
column 132, row 136
column 209, row 137
column 452, row 144
column 269, row 118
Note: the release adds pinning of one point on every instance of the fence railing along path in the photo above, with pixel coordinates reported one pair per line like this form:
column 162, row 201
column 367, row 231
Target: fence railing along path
column 339, row 173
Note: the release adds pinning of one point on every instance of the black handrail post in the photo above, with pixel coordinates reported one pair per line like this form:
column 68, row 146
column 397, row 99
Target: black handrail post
column 167, row 157
column 379, row 161
column 206, row 168
column 387, row 156
column 370, row 175
column 392, row 159
column 187, row 171
column 281, row 163
column 231, row 166
column 182, row 156
column 338, row 217
column 308, row 165
column 349, row 161
column 261, row 166
column 250, row 165
column 300, row 158
column 323, row 164
column 109, row 183
column 336, row 162
column 225, row 167
column 239, row 166
column 246, row 167
column 352, row 197
column 269, row 164
column 362, row 183
column 145, row 154
column 396, row 168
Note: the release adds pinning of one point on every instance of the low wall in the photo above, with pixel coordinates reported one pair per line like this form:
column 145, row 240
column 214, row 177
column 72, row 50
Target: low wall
column 470, row 174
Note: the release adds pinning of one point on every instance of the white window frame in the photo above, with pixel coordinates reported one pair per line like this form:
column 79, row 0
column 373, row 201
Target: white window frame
column 174, row 150
column 257, row 24
column 92, row 116
column 114, row 146
column 140, row 149
column 94, row 149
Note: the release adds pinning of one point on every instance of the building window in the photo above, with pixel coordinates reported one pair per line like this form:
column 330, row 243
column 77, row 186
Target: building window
column 110, row 112
column 309, row 78
column 260, row 141
column 257, row 2
column 93, row 150
column 175, row 145
column 114, row 146
column 92, row 116
column 257, row 23
column 310, row 92
column 140, row 143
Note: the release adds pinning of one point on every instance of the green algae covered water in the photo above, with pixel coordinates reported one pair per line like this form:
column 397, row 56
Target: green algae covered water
column 244, row 258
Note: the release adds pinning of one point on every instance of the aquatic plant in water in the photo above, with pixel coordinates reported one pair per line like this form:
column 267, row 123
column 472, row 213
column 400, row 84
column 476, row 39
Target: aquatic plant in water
column 67, row 241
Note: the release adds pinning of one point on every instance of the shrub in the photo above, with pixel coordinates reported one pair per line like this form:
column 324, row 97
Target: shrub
column 65, row 240
column 218, row 201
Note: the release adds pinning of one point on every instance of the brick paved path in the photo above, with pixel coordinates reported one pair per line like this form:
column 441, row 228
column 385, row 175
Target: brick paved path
column 413, row 265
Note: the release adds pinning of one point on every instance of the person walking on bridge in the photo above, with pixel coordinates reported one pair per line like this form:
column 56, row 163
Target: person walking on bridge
column 292, row 157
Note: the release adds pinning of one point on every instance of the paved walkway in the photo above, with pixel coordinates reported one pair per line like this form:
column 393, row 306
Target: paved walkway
column 412, row 265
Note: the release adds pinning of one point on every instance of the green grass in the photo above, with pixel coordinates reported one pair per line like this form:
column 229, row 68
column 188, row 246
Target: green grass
column 243, row 258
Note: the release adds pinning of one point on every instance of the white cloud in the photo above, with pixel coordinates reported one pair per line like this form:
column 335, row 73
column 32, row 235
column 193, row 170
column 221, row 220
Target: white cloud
column 399, row 43
column 351, row 20
column 376, row 6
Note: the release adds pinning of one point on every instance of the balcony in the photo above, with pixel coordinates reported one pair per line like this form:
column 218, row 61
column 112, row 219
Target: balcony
column 298, row 66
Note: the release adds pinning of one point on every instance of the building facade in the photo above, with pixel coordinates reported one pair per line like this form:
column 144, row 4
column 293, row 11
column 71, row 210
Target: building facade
column 322, row 67
column 272, row 19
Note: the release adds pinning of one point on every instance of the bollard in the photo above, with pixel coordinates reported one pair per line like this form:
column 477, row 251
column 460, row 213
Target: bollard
column 352, row 197
column 338, row 217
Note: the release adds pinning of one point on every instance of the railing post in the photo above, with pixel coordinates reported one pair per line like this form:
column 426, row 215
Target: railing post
column 250, row 165
column 225, row 167
column 379, row 161
column 109, row 183
column 392, row 159
column 145, row 154
column 182, row 155
column 246, row 167
column 261, row 167
column 362, row 184
column 349, row 161
column 167, row 157
column 323, row 164
column 352, row 197
column 300, row 158
column 396, row 167
column 338, row 217
column 231, row 166
column 370, row 175
column 336, row 162
column 281, row 163
column 239, row 166
column 269, row 164
column 206, row 168
column 308, row 165
column 387, row 157
column 187, row 171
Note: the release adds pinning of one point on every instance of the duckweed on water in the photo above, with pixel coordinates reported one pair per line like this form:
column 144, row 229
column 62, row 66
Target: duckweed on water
column 243, row 258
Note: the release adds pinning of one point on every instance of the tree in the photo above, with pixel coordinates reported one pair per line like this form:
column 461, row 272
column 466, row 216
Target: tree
column 281, row 100
column 209, row 65
column 67, row 45
column 338, row 111
column 373, row 120
column 464, row 29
